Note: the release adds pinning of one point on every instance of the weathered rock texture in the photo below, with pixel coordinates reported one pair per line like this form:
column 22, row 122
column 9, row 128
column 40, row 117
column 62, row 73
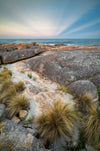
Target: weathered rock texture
column 15, row 137
column 2, row 50
column 81, row 87
column 13, row 56
column 67, row 66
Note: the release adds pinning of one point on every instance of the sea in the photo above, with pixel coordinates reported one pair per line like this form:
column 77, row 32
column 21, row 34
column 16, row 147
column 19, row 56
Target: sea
column 78, row 42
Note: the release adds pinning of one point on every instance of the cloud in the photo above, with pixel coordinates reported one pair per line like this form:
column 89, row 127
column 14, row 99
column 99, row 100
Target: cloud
column 41, row 17
column 83, row 26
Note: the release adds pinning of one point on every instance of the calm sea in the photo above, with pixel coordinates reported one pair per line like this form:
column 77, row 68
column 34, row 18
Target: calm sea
column 53, row 41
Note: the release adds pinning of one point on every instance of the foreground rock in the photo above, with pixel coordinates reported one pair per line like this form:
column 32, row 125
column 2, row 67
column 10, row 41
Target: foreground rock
column 13, row 56
column 67, row 66
column 2, row 50
column 81, row 87
column 15, row 137
column 2, row 110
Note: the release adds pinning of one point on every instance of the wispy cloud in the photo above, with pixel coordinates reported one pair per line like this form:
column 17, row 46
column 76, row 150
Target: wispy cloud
column 42, row 17
column 83, row 26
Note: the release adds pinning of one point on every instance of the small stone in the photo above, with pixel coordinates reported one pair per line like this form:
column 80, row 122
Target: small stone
column 16, row 119
column 2, row 109
column 23, row 114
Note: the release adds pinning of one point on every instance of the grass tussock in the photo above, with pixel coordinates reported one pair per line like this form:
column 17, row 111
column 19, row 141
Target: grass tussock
column 19, row 86
column 11, row 93
column 16, row 104
column 8, row 94
column 5, row 85
column 5, row 74
column 57, row 122
column 93, row 127
column 62, row 88
column 9, row 89
column 85, row 103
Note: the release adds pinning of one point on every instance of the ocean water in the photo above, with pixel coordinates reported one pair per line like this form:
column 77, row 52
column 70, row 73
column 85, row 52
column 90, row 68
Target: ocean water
column 54, row 41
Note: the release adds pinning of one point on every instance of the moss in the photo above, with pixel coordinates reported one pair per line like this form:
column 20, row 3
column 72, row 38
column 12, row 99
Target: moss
column 23, row 118
column 30, row 121
column 92, row 75
column 29, row 75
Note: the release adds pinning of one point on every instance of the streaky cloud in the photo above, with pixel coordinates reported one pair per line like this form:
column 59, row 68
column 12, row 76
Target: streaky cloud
column 83, row 26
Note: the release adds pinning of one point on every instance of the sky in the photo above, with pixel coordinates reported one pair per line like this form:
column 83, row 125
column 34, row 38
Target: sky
column 49, row 19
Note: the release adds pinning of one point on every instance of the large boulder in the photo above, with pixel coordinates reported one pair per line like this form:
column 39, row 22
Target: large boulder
column 2, row 49
column 15, row 137
column 67, row 66
column 81, row 87
column 13, row 56
column 11, row 48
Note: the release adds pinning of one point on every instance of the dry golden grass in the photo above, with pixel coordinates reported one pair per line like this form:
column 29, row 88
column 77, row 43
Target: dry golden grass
column 57, row 122
column 5, row 74
column 19, row 86
column 17, row 103
column 93, row 127
column 84, row 103
column 62, row 88
column 5, row 85
column 9, row 89
column 8, row 94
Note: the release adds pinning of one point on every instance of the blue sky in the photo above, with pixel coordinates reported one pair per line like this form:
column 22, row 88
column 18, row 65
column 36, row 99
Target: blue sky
column 49, row 18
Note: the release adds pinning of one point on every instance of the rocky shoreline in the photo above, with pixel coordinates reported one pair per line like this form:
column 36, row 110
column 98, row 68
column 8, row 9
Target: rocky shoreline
column 49, row 73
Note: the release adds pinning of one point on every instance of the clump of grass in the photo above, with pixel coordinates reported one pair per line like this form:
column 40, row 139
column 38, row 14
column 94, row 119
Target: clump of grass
column 16, row 104
column 8, row 95
column 93, row 127
column 19, row 86
column 62, row 88
column 5, row 85
column 57, row 122
column 5, row 74
column 34, row 78
column 30, row 75
column 11, row 93
column 22, row 71
column 84, row 103
column 9, row 89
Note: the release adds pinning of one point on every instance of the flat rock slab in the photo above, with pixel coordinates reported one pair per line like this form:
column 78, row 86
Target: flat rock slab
column 2, row 49
column 67, row 66
column 13, row 56
column 15, row 137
